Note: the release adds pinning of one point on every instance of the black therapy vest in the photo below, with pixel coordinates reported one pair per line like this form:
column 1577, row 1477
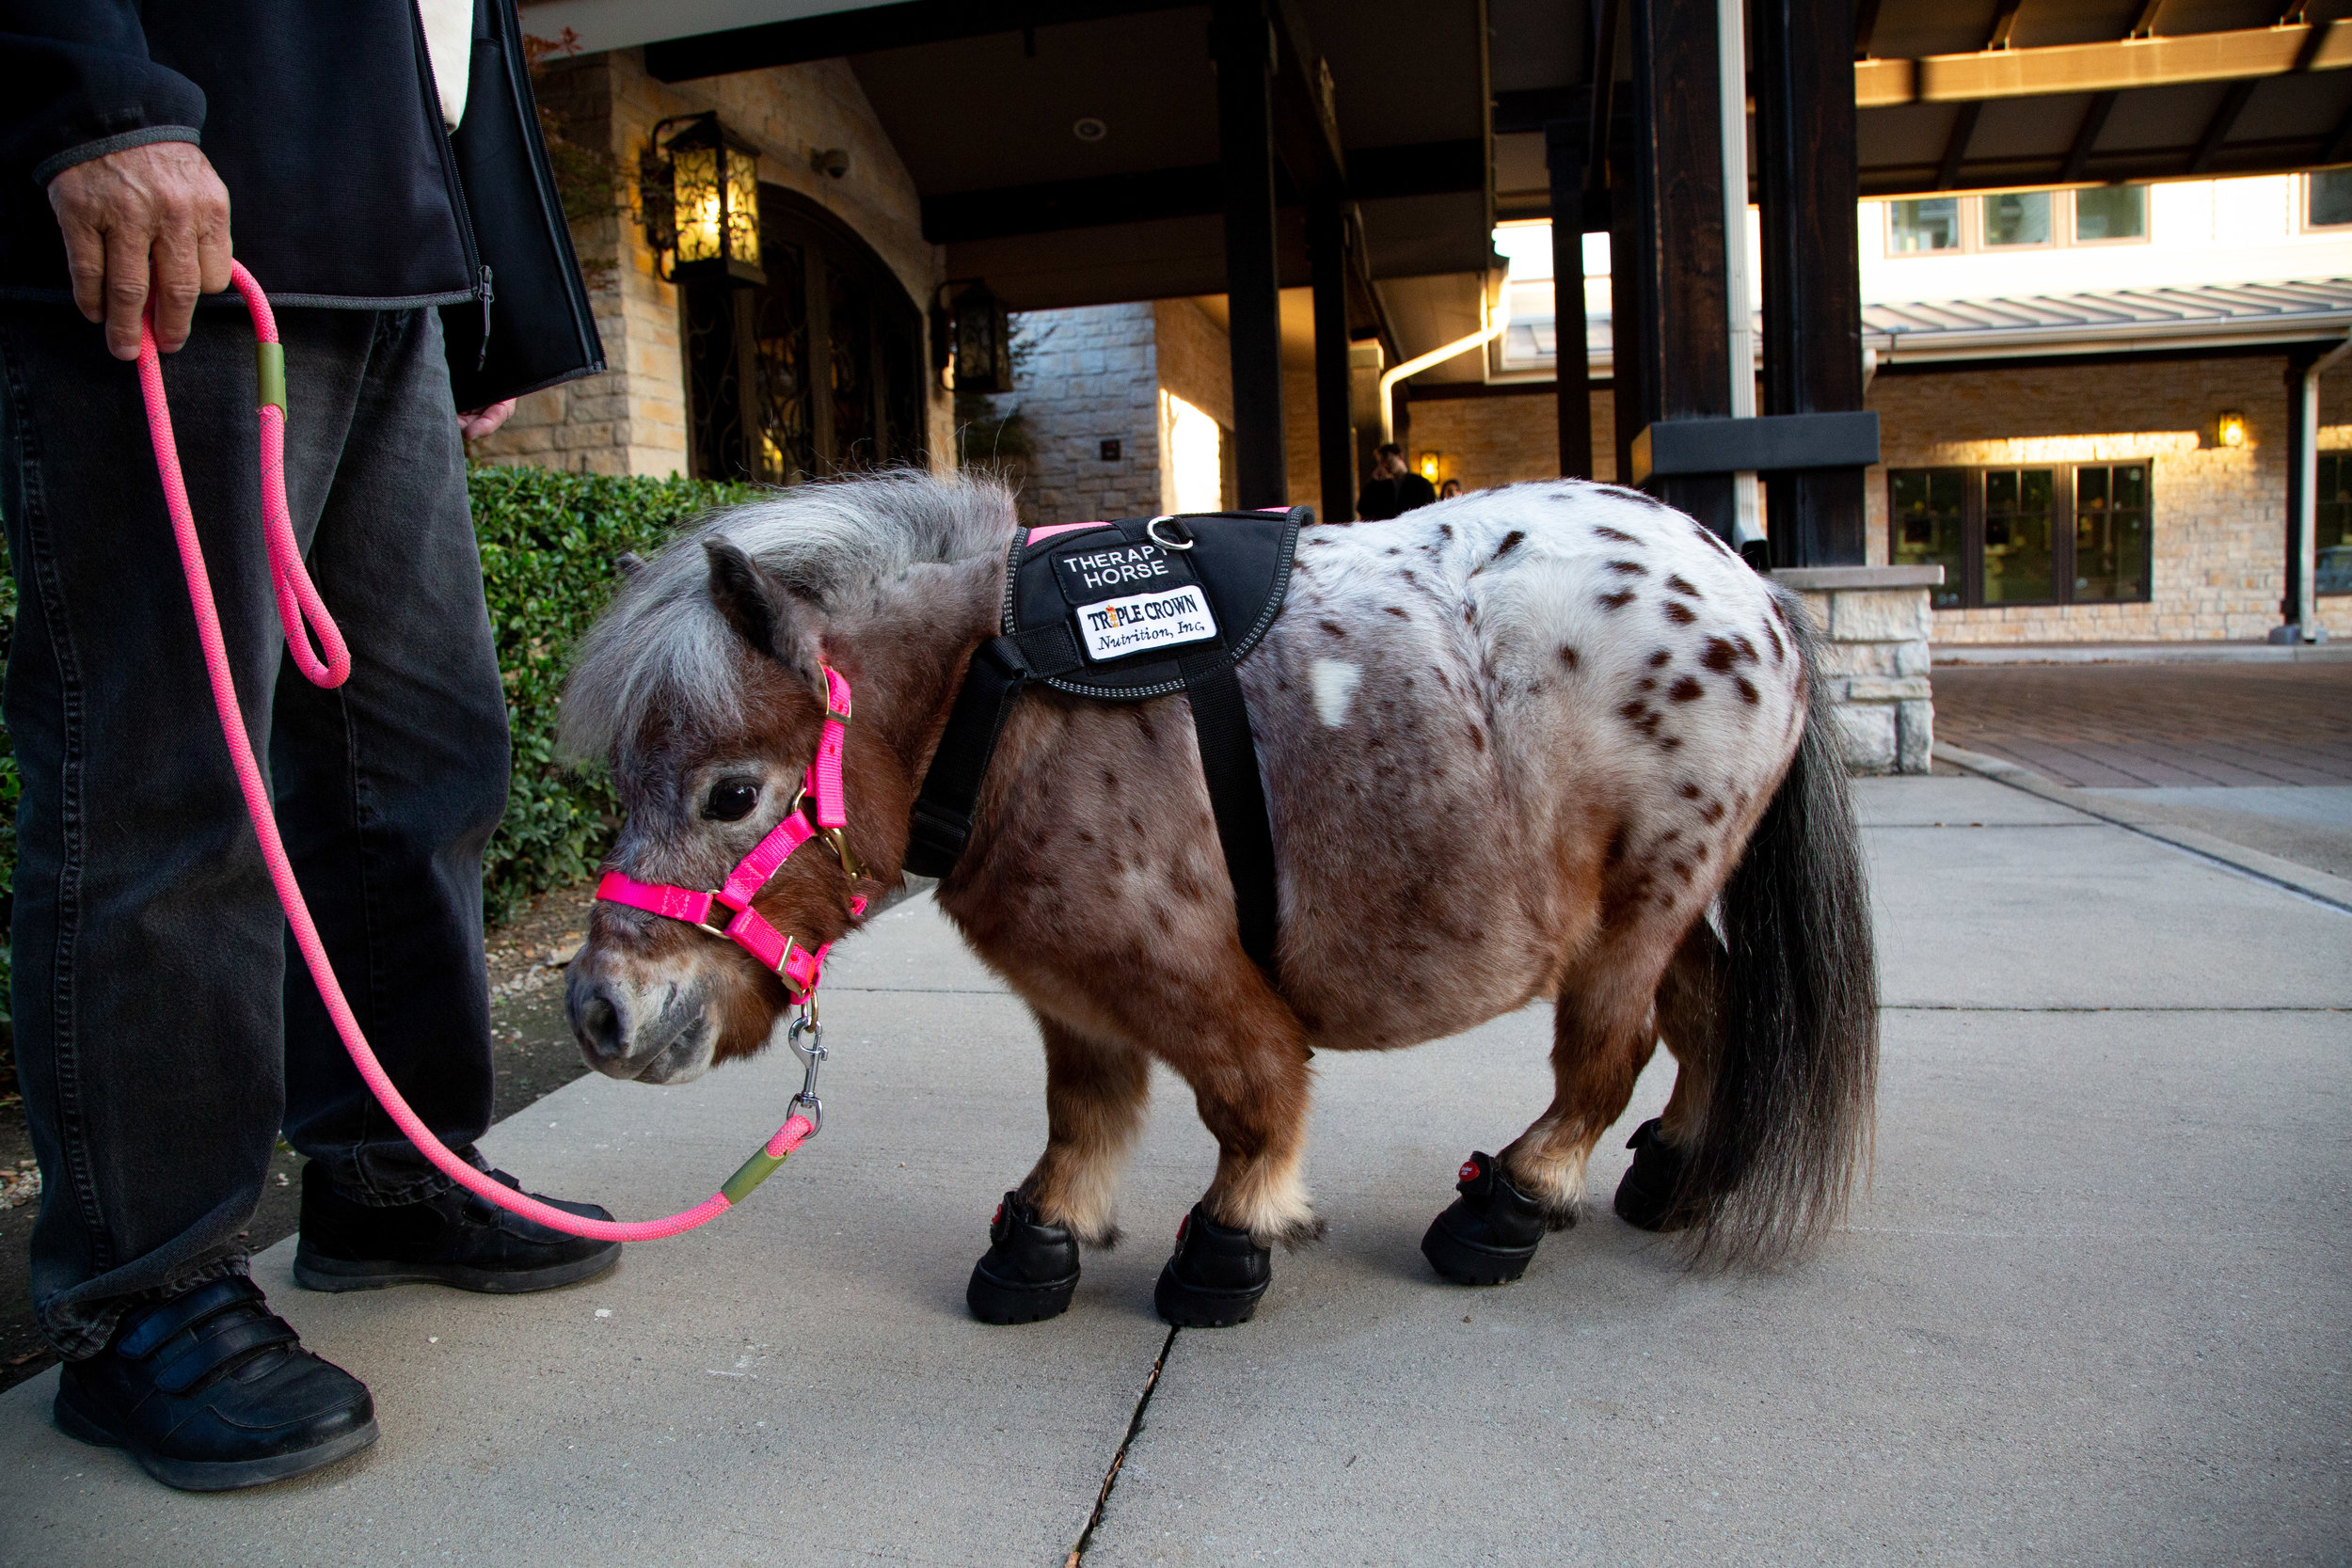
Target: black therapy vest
column 1120, row 612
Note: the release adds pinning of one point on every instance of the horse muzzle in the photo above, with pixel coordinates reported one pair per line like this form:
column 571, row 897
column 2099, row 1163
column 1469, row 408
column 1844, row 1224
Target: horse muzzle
column 658, row 1033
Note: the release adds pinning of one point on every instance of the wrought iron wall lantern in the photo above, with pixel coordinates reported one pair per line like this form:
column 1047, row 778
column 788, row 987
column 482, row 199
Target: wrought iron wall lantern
column 983, row 342
column 700, row 193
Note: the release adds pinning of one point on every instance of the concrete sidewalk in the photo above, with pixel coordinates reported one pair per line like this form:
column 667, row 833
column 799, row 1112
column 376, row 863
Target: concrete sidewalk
column 2093, row 1307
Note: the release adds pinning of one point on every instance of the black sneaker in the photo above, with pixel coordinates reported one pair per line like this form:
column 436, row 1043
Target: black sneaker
column 1029, row 1272
column 1488, row 1236
column 455, row 1239
column 1215, row 1276
column 210, row 1391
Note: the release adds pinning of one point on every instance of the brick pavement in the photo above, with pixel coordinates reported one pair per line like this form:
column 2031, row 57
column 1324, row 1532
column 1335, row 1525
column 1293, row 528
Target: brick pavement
column 2121, row 726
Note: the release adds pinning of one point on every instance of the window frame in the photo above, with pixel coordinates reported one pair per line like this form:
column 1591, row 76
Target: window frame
column 2062, row 499
column 2304, row 194
column 2062, row 221
column 2339, row 458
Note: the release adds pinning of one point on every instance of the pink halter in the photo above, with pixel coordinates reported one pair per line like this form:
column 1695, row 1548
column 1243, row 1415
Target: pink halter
column 798, row 967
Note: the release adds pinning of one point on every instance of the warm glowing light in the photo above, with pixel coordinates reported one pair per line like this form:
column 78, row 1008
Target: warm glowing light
column 1429, row 466
column 2230, row 430
column 708, row 218
column 1192, row 478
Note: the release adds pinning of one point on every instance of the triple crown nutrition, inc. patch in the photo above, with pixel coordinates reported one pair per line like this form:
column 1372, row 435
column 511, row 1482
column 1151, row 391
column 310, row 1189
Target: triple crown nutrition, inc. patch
column 1116, row 628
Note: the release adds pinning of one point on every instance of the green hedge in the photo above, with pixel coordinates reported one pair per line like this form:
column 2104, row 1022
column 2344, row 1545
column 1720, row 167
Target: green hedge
column 549, row 543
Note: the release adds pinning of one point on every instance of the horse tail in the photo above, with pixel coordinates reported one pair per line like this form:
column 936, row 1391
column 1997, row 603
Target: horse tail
column 1789, row 1111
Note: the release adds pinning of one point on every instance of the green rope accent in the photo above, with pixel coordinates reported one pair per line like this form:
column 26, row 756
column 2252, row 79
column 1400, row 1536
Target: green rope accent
column 759, row 1168
column 269, row 365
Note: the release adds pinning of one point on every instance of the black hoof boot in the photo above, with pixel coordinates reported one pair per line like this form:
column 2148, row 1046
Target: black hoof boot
column 1488, row 1236
column 1030, row 1269
column 1646, row 1195
column 1215, row 1277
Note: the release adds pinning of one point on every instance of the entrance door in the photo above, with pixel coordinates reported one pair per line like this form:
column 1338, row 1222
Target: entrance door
column 818, row 372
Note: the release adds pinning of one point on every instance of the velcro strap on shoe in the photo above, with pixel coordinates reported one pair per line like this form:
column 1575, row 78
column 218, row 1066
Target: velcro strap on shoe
column 222, row 1344
column 184, row 1312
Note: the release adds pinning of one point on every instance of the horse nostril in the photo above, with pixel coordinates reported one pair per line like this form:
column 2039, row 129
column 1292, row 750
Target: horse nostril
column 597, row 1024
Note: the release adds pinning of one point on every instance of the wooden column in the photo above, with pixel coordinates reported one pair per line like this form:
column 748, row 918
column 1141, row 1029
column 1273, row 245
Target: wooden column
column 1244, row 41
column 1804, row 114
column 1677, row 340
column 1335, row 438
column 1564, row 143
column 2291, row 601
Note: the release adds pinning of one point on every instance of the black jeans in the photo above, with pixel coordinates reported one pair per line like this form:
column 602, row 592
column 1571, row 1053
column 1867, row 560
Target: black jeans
column 166, row 1031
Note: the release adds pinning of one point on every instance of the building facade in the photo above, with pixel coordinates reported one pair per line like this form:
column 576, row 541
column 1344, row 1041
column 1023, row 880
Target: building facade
column 2084, row 401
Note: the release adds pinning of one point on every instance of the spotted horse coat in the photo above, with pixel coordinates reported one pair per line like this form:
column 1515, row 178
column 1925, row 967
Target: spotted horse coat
column 1515, row 744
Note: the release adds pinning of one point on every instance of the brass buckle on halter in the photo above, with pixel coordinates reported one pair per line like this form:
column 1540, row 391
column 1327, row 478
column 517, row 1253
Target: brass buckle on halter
column 836, row 839
column 716, row 919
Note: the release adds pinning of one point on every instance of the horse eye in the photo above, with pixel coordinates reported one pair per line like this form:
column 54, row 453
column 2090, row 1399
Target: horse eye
column 731, row 801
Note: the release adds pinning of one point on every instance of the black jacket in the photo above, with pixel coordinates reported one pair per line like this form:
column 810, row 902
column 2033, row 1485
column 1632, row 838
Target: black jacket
column 324, row 123
column 1393, row 498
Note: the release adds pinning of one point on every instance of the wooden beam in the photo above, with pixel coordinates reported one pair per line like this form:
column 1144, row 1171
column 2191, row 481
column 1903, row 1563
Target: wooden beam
column 2217, row 128
column 1956, row 145
column 1812, row 297
column 2004, row 19
column 2339, row 148
column 1601, row 107
column 2240, row 55
column 862, row 32
column 1335, row 439
column 1677, row 341
column 2086, row 137
column 1573, row 384
column 1243, row 42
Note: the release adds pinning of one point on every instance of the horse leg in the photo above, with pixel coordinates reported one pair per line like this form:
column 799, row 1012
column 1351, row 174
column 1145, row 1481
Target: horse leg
column 1249, row 1078
column 1604, row 1032
column 1689, row 1015
column 1095, row 1093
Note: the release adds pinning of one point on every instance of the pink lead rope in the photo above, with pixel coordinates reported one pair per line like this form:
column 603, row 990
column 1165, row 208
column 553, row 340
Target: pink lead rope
column 300, row 608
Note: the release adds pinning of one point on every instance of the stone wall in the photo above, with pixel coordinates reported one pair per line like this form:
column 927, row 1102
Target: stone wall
column 1091, row 376
column 2220, row 512
column 1194, row 357
column 1488, row 441
column 633, row 420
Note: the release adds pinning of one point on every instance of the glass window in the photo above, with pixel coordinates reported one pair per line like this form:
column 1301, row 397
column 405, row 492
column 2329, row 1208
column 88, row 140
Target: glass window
column 2330, row 199
column 1926, row 517
column 2334, row 533
column 1928, row 222
column 2017, row 217
column 787, row 444
column 2017, row 555
column 2111, row 213
column 2111, row 529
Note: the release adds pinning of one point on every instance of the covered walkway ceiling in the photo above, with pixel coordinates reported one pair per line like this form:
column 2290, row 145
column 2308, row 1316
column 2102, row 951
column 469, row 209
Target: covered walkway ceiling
column 1433, row 123
column 1986, row 94
column 988, row 103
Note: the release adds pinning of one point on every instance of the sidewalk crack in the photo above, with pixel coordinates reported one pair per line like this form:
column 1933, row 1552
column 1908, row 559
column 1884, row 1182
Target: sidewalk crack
column 1110, row 1477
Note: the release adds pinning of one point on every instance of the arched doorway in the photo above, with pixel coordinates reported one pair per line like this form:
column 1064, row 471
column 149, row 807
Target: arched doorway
column 820, row 371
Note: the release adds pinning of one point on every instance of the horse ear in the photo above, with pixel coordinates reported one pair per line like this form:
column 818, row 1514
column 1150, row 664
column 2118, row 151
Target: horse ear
column 766, row 613
column 629, row 564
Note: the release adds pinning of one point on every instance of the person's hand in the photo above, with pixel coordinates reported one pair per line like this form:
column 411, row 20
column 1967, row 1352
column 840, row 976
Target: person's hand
column 147, row 220
column 481, row 421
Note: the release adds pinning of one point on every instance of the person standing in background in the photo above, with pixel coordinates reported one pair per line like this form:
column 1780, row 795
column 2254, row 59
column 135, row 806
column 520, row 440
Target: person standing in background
column 1393, row 489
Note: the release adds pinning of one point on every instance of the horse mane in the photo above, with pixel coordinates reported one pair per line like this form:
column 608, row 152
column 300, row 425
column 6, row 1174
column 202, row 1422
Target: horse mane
column 839, row 543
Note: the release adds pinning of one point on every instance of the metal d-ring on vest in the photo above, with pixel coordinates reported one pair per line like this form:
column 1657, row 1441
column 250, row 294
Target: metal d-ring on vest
column 329, row 665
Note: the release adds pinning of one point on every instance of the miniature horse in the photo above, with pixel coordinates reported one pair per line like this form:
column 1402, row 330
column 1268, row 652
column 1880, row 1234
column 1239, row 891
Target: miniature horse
column 1515, row 744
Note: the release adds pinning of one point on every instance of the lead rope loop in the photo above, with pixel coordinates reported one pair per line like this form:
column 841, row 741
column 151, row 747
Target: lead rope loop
column 302, row 614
